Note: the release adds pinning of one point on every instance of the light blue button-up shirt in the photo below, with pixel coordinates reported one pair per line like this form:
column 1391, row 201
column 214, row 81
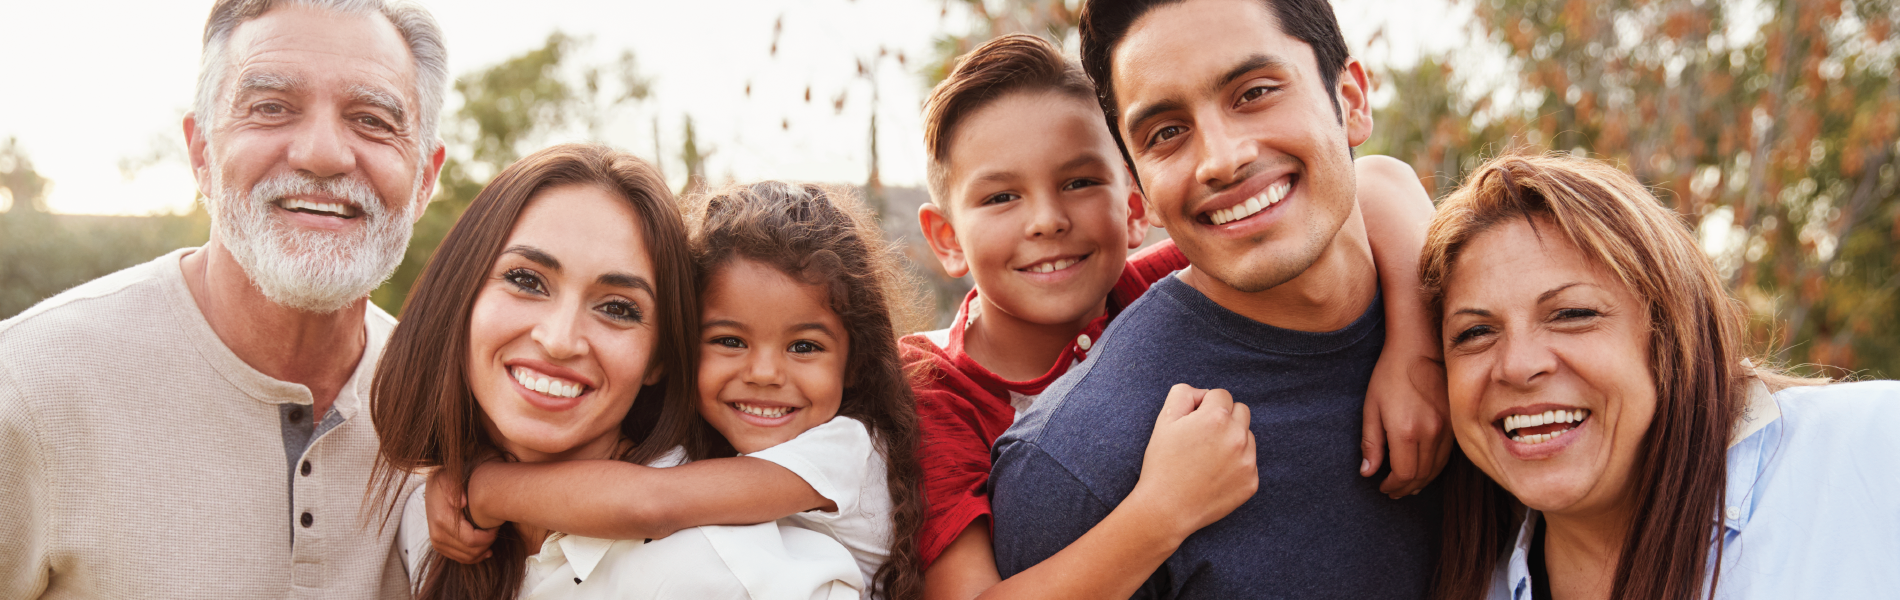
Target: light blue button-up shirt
column 1813, row 500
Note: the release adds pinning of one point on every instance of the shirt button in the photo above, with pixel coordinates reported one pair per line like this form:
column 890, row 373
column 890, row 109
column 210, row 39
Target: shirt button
column 1084, row 341
column 306, row 468
column 307, row 520
column 1733, row 513
column 577, row 581
column 296, row 416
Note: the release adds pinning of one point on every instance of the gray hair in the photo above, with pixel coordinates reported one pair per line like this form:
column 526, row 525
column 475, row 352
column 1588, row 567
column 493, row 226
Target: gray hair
column 418, row 29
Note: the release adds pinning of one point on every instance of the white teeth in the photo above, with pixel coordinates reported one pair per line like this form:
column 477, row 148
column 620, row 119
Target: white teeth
column 551, row 386
column 338, row 209
column 1054, row 265
column 1516, row 422
column 1268, row 197
column 769, row 412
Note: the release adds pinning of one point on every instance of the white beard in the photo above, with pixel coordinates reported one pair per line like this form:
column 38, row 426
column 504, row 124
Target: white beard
column 310, row 270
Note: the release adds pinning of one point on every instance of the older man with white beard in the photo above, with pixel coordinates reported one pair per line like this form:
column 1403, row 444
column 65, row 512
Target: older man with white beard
column 197, row 426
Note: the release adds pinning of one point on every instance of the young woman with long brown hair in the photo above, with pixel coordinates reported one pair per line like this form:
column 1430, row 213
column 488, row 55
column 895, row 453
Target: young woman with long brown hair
column 557, row 323
column 808, row 415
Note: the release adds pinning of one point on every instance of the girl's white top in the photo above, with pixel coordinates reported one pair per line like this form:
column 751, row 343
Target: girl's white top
column 840, row 461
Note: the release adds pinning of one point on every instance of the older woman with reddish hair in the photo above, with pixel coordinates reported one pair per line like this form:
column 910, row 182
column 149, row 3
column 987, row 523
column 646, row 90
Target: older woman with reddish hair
column 1614, row 441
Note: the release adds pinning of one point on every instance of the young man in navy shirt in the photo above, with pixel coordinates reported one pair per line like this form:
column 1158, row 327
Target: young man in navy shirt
column 1238, row 117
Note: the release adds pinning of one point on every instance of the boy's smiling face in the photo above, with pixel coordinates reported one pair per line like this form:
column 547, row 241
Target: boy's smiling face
column 1038, row 206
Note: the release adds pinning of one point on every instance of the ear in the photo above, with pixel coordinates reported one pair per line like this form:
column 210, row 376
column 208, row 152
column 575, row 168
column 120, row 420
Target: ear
column 195, row 147
column 1154, row 217
column 942, row 237
column 427, row 193
column 1137, row 215
column 1355, row 103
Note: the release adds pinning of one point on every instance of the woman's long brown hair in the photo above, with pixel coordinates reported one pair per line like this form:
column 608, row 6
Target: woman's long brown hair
column 823, row 236
column 1695, row 356
column 420, row 400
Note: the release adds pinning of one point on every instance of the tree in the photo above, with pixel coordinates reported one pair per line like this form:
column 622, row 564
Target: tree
column 1054, row 20
column 42, row 254
column 510, row 106
column 1770, row 124
column 24, row 187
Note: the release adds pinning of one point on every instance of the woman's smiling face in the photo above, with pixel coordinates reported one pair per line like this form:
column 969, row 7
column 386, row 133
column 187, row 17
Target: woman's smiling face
column 562, row 335
column 772, row 355
column 1547, row 359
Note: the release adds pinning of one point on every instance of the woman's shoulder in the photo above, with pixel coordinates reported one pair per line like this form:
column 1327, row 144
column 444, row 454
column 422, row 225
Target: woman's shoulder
column 1841, row 409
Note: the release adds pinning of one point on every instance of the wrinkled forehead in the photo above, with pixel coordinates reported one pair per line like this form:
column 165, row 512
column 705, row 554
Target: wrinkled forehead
column 319, row 50
column 1522, row 261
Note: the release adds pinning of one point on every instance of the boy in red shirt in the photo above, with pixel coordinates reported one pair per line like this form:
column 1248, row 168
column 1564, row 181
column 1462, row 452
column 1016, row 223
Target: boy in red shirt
column 1031, row 197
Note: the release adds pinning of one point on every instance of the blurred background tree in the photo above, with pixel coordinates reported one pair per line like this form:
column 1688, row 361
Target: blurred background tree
column 1771, row 126
column 508, row 109
column 42, row 253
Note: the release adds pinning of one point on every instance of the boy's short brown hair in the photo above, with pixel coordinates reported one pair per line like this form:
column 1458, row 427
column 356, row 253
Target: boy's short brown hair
column 1011, row 63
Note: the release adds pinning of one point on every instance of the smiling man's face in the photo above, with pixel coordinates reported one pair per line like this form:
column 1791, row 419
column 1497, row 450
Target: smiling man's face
column 1236, row 139
column 312, row 159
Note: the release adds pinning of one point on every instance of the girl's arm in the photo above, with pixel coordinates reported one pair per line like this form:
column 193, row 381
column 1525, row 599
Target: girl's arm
column 619, row 500
column 1406, row 408
column 1198, row 467
column 612, row 499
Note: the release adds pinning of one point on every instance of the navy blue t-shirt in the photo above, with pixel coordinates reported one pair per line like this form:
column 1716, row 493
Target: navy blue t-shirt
column 1315, row 528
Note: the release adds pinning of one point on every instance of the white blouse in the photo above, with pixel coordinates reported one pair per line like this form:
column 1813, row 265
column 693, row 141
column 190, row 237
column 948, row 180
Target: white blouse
column 765, row 561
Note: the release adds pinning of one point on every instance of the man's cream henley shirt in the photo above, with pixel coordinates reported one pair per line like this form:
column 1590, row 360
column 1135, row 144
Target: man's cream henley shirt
column 141, row 458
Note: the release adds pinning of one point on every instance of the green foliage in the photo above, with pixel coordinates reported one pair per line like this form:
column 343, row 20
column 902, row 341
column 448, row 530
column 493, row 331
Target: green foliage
column 43, row 254
column 1771, row 124
column 1051, row 19
column 507, row 108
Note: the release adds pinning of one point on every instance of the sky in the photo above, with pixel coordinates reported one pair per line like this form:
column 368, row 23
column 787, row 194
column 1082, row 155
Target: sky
column 94, row 86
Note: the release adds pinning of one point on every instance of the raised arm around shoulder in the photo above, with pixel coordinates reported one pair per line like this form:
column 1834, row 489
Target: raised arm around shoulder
column 1405, row 402
column 1198, row 467
column 619, row 500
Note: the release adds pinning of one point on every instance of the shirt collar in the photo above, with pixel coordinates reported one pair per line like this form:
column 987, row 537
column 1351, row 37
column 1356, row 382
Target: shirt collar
column 1759, row 424
column 583, row 553
column 1518, row 571
column 1077, row 351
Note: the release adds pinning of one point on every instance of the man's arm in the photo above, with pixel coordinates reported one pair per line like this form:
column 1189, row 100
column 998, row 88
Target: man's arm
column 1040, row 507
column 23, row 507
column 1406, row 407
column 1198, row 467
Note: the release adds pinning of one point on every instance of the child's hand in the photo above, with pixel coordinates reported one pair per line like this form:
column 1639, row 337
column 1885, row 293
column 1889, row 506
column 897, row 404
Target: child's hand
column 1406, row 412
column 453, row 536
column 1199, row 465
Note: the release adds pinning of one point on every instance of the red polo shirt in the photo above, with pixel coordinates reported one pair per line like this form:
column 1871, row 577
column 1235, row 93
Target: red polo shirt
column 964, row 407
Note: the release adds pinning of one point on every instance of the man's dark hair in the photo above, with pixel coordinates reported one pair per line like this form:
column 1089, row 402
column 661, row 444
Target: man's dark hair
column 1106, row 22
